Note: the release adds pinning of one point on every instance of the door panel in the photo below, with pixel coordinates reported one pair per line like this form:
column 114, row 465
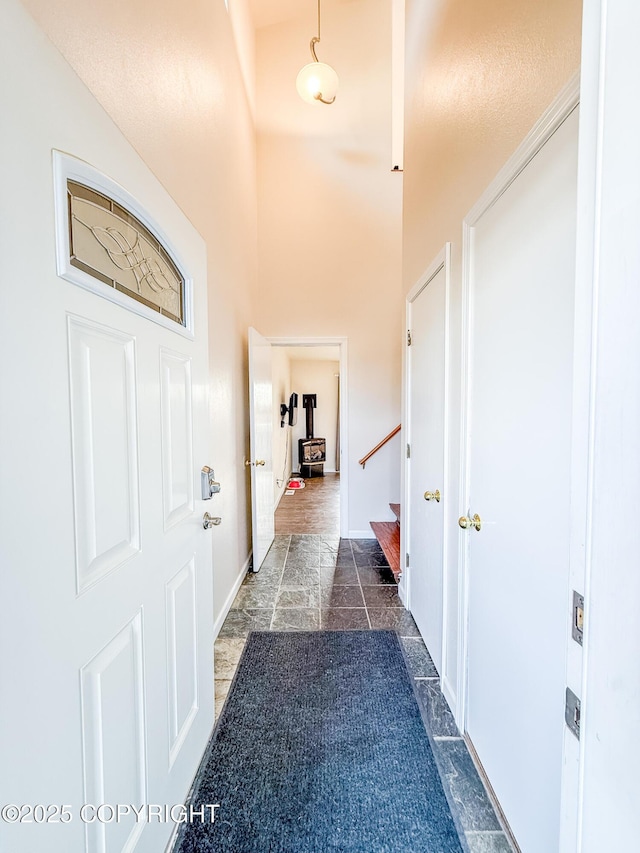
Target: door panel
column 115, row 764
column 426, row 466
column 104, row 448
column 523, row 257
column 261, row 427
column 177, row 432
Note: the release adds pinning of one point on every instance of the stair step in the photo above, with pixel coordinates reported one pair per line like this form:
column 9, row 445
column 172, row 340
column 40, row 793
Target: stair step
column 395, row 509
column 388, row 535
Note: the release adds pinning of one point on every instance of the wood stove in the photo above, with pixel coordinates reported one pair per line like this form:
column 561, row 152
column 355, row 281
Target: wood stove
column 312, row 452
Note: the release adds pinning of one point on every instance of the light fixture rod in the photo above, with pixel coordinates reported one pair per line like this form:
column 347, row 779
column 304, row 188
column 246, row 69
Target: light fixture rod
column 316, row 39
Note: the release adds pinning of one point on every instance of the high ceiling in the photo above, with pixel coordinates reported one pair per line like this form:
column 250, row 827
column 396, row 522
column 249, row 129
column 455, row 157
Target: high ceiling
column 265, row 13
column 268, row 12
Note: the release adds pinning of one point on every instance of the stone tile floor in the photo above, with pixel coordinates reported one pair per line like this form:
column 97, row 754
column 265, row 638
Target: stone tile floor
column 311, row 582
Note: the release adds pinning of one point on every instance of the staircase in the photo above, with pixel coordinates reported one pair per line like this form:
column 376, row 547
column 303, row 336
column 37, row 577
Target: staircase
column 388, row 535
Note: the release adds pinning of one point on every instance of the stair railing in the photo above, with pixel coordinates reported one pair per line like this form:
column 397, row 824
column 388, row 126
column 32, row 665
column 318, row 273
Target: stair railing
column 380, row 444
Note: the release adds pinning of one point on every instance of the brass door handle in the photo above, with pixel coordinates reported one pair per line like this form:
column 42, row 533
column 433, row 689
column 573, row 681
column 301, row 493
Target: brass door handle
column 260, row 462
column 432, row 496
column 465, row 522
column 247, row 462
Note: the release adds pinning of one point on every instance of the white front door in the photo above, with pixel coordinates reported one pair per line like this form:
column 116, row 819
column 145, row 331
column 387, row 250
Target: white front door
column 522, row 297
column 261, row 429
column 426, row 414
column 106, row 624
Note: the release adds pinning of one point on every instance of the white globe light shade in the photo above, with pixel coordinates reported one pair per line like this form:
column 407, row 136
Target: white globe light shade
column 315, row 79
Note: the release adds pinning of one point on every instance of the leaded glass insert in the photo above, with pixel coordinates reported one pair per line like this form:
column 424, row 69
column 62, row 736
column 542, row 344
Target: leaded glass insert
column 112, row 245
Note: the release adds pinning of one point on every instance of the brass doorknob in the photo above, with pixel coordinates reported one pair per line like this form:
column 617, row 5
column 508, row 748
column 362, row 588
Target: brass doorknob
column 432, row 496
column 465, row 522
column 248, row 463
column 260, row 462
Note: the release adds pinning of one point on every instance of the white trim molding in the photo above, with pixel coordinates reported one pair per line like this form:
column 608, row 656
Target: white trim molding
column 442, row 261
column 341, row 342
column 226, row 607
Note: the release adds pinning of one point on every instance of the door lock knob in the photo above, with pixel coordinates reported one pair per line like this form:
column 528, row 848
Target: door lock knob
column 466, row 523
column 209, row 521
column 433, row 496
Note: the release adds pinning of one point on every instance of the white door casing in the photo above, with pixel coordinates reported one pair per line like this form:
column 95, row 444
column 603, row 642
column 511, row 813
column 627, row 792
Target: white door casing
column 342, row 343
column 520, row 277
column 107, row 693
column 426, row 419
column 261, row 437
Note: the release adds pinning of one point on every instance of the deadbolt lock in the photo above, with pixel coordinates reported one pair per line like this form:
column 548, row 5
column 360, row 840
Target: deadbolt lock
column 433, row 496
column 208, row 483
column 466, row 523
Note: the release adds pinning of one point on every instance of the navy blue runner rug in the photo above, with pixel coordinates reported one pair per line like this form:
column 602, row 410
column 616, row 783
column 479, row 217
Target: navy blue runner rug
column 321, row 748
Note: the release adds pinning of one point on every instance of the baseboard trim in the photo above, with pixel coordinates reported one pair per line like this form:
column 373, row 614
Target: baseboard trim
column 226, row 607
column 361, row 534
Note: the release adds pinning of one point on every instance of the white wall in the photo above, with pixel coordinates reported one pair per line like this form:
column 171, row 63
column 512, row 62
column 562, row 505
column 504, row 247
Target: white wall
column 317, row 377
column 282, row 442
column 329, row 214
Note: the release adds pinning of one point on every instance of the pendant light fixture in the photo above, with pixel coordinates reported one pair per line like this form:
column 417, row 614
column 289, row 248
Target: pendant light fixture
column 317, row 82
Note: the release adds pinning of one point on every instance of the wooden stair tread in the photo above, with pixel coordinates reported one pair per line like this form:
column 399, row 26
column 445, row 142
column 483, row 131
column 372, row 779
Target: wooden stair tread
column 388, row 535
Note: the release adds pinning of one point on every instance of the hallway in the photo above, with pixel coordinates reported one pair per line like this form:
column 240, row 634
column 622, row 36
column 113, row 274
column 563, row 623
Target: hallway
column 314, row 509
column 312, row 582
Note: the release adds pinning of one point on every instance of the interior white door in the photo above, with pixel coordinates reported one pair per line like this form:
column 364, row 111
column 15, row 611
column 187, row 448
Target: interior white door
column 523, row 259
column 426, row 411
column 261, row 434
column 106, row 626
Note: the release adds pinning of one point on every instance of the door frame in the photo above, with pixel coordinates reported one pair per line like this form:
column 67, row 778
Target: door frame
column 563, row 105
column 442, row 261
column 341, row 342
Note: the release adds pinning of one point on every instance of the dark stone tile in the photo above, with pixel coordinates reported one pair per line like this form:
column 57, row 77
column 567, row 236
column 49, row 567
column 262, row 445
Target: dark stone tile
column 488, row 842
column 364, row 546
column 394, row 617
column 372, row 575
column 304, row 597
column 344, row 619
column 340, row 575
column 305, row 540
column 371, row 558
column 239, row 622
column 255, row 597
column 303, row 619
column 382, row 595
column 265, row 575
column 302, row 559
column 294, row 578
column 227, row 653
column 467, row 793
column 341, row 596
column 437, row 713
column 418, row 658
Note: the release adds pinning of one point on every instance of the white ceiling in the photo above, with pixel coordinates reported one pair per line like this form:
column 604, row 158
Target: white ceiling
column 268, row 12
column 265, row 13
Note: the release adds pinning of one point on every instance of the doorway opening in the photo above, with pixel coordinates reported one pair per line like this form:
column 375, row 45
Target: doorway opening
column 308, row 445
